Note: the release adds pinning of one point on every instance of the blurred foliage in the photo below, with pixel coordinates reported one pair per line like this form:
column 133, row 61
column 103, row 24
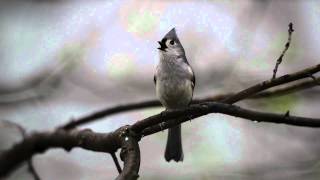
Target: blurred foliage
column 260, row 63
column 120, row 66
column 141, row 22
column 279, row 104
column 71, row 55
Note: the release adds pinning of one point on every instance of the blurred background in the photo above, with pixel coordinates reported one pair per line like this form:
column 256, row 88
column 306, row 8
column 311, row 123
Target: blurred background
column 64, row 59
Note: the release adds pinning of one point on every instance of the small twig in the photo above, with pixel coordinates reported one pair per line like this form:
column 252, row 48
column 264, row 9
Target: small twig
column 32, row 170
column 21, row 130
column 279, row 60
column 109, row 111
column 116, row 162
column 316, row 80
column 287, row 114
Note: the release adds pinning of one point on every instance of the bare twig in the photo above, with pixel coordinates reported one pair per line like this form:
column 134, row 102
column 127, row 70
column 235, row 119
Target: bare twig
column 315, row 80
column 21, row 130
column 116, row 162
column 109, row 111
column 279, row 60
column 32, row 170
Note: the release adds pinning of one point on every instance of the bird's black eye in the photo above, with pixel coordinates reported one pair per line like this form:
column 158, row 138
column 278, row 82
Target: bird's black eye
column 171, row 42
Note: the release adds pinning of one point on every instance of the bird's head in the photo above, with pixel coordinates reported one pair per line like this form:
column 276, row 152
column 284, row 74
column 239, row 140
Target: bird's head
column 170, row 44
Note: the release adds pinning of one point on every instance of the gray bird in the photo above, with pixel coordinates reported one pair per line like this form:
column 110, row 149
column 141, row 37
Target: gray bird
column 174, row 80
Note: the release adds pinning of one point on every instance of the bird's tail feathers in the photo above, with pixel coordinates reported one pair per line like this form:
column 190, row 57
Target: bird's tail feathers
column 174, row 145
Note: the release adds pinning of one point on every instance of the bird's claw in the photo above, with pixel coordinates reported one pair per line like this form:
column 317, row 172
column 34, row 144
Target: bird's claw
column 161, row 126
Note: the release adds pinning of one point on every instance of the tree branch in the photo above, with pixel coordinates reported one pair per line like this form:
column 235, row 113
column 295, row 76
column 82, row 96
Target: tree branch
column 31, row 168
column 228, row 98
column 288, row 89
column 40, row 142
column 130, row 155
column 271, row 83
column 109, row 111
column 168, row 119
column 116, row 162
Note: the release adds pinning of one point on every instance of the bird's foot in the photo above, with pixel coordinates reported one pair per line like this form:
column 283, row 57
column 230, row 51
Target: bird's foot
column 162, row 125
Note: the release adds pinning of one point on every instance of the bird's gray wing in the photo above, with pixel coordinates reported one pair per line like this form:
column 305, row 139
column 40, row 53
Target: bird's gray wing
column 193, row 79
column 191, row 76
column 189, row 70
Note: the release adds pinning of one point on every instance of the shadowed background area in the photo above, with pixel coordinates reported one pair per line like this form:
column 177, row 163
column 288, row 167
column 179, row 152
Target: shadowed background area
column 64, row 59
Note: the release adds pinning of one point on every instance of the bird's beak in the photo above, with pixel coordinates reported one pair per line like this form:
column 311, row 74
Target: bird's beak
column 163, row 45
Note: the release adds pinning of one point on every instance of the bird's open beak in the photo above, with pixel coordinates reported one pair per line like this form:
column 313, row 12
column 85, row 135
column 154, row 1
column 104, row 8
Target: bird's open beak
column 163, row 45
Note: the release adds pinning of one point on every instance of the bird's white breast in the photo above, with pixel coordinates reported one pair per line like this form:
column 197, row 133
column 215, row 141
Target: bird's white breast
column 174, row 94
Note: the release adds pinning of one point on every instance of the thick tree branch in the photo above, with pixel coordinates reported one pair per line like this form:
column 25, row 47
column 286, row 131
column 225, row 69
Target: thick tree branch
column 40, row 142
column 167, row 119
column 23, row 133
column 86, row 139
column 130, row 155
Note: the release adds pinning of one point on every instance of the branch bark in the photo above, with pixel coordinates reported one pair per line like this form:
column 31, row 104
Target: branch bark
column 168, row 119
column 288, row 89
column 130, row 155
column 23, row 133
column 86, row 139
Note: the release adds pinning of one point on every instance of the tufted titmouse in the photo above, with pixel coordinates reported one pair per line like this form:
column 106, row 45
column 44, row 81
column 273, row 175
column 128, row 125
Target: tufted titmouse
column 174, row 80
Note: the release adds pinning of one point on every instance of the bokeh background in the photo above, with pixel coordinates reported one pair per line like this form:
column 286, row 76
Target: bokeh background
column 64, row 59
